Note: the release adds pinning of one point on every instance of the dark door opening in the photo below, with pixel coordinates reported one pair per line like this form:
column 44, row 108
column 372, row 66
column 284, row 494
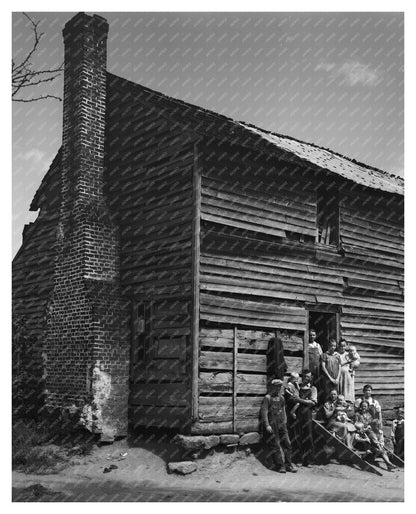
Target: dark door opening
column 325, row 325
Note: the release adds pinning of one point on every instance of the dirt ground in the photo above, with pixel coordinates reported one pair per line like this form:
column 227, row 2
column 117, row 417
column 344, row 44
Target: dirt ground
column 141, row 475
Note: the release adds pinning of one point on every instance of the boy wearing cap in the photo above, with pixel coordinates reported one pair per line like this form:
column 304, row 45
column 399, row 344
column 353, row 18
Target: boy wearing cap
column 273, row 417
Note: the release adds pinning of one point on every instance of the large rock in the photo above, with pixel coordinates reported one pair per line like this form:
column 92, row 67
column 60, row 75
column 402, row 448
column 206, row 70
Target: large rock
column 107, row 437
column 197, row 442
column 250, row 438
column 182, row 468
column 229, row 438
column 211, row 441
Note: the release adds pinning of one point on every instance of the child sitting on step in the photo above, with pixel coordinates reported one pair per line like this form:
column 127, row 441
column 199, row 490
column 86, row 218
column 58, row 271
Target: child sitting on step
column 377, row 443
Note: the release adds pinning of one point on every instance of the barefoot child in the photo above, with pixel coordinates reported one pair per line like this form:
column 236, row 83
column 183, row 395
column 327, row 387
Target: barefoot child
column 361, row 442
column 377, row 443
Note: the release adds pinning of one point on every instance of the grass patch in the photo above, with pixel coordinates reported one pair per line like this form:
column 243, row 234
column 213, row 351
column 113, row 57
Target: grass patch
column 38, row 448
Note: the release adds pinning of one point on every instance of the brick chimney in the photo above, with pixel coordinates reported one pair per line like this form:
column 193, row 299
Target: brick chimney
column 86, row 362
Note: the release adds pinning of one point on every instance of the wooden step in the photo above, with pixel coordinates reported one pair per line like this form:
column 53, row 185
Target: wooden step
column 325, row 437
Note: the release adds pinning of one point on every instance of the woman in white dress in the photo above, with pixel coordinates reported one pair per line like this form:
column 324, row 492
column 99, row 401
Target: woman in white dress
column 349, row 360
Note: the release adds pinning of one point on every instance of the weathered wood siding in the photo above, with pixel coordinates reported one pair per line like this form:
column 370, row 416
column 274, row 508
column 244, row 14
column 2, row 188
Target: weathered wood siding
column 261, row 268
column 150, row 170
column 372, row 318
column 32, row 282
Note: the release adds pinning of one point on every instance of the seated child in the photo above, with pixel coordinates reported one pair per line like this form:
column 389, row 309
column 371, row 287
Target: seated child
column 329, row 406
column 339, row 423
column 363, row 415
column 342, row 409
column 397, row 433
column 360, row 441
column 377, row 443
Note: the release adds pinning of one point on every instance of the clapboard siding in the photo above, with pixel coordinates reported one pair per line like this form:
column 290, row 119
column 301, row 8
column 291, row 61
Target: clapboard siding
column 33, row 268
column 373, row 226
column 150, row 180
column 154, row 192
column 221, row 408
column 147, row 230
column 248, row 339
column 258, row 276
column 225, row 397
column 233, row 310
column 294, row 277
column 245, row 192
column 247, row 211
column 279, row 277
column 32, row 283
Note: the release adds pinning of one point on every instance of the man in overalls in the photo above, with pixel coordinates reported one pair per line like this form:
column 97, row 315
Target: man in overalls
column 273, row 416
column 308, row 398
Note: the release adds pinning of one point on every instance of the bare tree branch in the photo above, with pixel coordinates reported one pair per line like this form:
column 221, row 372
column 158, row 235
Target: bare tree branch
column 24, row 75
column 43, row 81
column 42, row 97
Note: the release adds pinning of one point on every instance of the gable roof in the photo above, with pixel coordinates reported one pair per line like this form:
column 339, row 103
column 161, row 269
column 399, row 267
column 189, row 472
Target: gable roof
column 206, row 122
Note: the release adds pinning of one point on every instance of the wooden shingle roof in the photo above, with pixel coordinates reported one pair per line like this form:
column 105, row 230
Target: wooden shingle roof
column 335, row 163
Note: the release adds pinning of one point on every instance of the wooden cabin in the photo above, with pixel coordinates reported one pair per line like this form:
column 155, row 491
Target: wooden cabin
column 226, row 235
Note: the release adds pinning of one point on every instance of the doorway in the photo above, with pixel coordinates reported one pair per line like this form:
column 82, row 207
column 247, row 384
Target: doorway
column 326, row 326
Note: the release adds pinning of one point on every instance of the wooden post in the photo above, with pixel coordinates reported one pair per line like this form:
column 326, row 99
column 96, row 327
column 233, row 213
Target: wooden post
column 306, row 342
column 235, row 357
column 196, row 252
column 337, row 326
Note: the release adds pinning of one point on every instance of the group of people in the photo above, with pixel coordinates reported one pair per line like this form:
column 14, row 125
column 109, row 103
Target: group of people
column 325, row 391
column 359, row 425
column 333, row 368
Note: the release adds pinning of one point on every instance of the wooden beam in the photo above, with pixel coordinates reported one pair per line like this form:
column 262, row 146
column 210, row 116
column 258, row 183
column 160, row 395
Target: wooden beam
column 253, row 363
column 224, row 427
column 235, row 357
column 323, row 436
column 196, row 252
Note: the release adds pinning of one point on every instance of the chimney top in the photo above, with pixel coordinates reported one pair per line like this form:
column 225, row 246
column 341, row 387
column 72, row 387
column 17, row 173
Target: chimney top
column 83, row 22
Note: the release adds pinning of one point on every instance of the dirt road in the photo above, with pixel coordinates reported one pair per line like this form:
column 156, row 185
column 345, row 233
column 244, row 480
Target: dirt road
column 141, row 477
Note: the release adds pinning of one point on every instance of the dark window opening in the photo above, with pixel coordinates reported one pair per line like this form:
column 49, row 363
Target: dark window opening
column 328, row 215
column 325, row 326
column 141, row 331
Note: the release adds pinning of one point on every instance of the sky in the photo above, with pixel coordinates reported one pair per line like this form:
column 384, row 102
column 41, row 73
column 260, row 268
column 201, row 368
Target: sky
column 333, row 79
